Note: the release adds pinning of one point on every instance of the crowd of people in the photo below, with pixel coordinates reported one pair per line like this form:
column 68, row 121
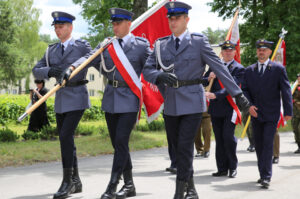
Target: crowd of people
column 177, row 65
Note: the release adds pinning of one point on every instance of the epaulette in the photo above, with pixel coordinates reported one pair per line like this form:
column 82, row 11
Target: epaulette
column 163, row 38
column 197, row 34
column 50, row 45
column 142, row 39
column 81, row 41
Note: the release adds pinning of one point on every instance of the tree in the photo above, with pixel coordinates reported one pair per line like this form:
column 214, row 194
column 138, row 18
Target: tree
column 215, row 37
column 264, row 19
column 7, row 38
column 97, row 15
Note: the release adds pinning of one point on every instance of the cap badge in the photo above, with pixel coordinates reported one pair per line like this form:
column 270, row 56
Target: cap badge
column 172, row 5
column 113, row 11
column 56, row 14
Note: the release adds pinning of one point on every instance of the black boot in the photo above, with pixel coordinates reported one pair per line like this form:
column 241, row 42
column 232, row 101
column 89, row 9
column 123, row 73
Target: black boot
column 110, row 192
column 67, row 187
column 128, row 189
column 191, row 190
column 180, row 189
column 298, row 150
column 76, row 181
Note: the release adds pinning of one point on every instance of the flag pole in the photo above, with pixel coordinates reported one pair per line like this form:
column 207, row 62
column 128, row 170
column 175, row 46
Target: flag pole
column 281, row 37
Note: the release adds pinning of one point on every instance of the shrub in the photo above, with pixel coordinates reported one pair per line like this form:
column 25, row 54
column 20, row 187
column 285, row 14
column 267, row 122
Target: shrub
column 84, row 130
column 103, row 131
column 30, row 135
column 7, row 135
column 48, row 133
column 156, row 125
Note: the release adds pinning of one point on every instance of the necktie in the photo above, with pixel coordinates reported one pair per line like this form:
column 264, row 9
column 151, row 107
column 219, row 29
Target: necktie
column 177, row 40
column 120, row 42
column 261, row 72
column 62, row 49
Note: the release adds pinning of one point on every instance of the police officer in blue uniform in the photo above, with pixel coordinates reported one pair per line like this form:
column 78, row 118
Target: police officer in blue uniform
column 71, row 100
column 178, row 61
column 222, row 112
column 119, row 102
column 265, row 82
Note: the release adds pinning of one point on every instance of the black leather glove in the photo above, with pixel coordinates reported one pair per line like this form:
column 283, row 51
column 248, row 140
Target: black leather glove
column 65, row 75
column 167, row 78
column 242, row 102
column 54, row 72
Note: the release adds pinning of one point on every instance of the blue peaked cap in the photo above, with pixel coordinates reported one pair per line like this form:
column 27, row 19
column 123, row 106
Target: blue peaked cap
column 62, row 17
column 176, row 8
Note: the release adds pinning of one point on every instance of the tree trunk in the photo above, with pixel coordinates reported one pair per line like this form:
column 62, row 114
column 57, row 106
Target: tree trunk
column 139, row 7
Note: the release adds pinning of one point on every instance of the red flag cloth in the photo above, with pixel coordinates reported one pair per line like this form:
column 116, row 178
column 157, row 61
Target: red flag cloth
column 281, row 58
column 154, row 27
column 235, row 38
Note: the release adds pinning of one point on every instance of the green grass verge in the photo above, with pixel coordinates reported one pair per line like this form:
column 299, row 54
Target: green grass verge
column 30, row 152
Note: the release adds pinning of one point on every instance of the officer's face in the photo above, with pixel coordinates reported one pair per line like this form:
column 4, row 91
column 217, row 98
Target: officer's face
column 263, row 54
column 121, row 28
column 228, row 54
column 178, row 24
column 63, row 31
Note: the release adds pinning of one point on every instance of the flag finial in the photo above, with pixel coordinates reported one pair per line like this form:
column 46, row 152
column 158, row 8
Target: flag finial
column 283, row 33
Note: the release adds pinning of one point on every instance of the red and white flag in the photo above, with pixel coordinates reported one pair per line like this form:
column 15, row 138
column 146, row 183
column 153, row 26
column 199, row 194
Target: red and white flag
column 234, row 36
column 281, row 58
column 152, row 25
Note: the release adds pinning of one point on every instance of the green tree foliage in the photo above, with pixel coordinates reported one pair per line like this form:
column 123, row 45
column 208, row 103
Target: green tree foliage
column 97, row 15
column 264, row 19
column 215, row 37
column 7, row 36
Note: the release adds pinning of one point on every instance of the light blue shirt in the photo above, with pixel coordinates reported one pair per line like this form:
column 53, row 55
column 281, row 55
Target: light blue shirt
column 265, row 65
column 66, row 43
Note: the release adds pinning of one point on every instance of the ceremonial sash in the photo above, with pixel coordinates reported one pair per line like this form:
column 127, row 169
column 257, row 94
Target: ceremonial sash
column 236, row 116
column 126, row 70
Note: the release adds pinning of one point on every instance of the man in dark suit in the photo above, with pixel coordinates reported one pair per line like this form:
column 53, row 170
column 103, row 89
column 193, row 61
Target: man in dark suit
column 178, row 62
column 265, row 82
column 71, row 100
column 120, row 103
column 223, row 115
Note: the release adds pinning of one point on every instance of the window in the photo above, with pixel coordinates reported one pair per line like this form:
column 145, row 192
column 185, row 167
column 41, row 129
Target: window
column 92, row 77
column 14, row 91
column 91, row 92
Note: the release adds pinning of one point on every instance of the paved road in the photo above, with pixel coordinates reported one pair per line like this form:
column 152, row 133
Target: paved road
column 40, row 181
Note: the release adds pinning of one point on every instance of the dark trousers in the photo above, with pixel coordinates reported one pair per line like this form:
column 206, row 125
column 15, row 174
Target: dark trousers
column 171, row 148
column 120, row 126
column 264, row 133
column 182, row 131
column 66, row 125
column 226, row 143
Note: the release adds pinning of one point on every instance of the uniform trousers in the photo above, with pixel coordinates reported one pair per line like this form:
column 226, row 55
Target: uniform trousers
column 66, row 126
column 226, row 143
column 276, row 148
column 120, row 126
column 182, row 131
column 171, row 148
column 264, row 133
column 205, row 132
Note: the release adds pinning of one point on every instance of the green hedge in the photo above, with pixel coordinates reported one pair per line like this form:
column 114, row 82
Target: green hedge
column 13, row 106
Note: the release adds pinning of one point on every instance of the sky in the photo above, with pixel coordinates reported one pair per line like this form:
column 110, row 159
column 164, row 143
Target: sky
column 200, row 16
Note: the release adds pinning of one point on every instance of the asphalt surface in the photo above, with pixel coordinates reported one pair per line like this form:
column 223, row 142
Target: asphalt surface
column 41, row 181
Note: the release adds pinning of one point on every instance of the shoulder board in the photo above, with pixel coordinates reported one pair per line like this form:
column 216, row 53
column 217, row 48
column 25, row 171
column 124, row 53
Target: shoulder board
column 50, row 45
column 163, row 38
column 197, row 34
column 141, row 39
column 81, row 41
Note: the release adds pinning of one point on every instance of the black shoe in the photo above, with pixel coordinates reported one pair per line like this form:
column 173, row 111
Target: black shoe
column 76, row 181
column 110, row 192
column 232, row 173
column 206, row 154
column 191, row 190
column 251, row 148
column 275, row 160
column 265, row 183
column 220, row 173
column 259, row 181
column 198, row 154
column 172, row 170
column 297, row 151
column 180, row 189
column 128, row 189
column 67, row 187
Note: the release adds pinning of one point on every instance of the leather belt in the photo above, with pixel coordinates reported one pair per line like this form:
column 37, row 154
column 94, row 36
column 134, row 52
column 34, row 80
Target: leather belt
column 116, row 83
column 181, row 83
column 77, row 83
